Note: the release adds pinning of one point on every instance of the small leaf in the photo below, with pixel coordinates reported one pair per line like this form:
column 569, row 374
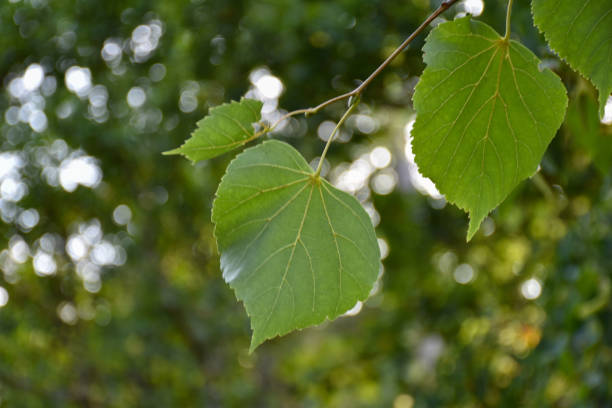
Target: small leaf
column 580, row 31
column 226, row 127
column 596, row 138
column 485, row 115
column 295, row 249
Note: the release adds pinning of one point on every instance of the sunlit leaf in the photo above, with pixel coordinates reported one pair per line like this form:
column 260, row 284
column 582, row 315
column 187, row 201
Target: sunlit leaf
column 226, row 127
column 295, row 249
column 580, row 31
column 485, row 115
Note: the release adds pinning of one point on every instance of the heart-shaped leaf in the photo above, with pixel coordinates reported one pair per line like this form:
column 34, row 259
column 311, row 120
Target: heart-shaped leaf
column 295, row 249
column 485, row 115
column 580, row 31
column 226, row 127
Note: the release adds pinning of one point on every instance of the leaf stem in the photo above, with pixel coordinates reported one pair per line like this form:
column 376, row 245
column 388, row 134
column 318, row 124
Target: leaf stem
column 508, row 18
column 446, row 4
column 542, row 185
column 333, row 134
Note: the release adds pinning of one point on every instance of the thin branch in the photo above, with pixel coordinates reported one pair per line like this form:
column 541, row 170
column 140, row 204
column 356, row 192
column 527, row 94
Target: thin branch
column 443, row 7
column 359, row 90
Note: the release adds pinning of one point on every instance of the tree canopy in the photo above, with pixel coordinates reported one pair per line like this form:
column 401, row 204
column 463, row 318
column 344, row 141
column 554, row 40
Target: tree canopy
column 111, row 286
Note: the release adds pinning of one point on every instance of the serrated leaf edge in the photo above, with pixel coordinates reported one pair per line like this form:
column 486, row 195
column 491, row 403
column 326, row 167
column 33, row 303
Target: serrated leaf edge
column 319, row 181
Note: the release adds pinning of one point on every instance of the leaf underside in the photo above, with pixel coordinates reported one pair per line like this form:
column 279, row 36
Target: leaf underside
column 485, row 115
column 225, row 128
column 580, row 31
column 295, row 250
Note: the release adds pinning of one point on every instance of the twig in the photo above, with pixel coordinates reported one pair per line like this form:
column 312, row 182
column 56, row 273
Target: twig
column 359, row 90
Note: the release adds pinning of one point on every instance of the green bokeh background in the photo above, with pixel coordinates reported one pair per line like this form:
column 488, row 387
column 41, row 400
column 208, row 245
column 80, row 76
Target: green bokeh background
column 158, row 327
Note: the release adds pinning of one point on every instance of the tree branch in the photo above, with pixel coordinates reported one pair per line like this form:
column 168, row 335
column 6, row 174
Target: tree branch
column 359, row 90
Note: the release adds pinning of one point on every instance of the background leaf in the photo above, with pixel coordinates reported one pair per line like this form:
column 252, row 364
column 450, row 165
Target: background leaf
column 581, row 33
column 485, row 115
column 226, row 127
column 588, row 132
column 295, row 249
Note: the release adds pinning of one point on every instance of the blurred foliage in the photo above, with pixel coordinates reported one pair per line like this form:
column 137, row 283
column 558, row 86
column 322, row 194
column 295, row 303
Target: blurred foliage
column 110, row 272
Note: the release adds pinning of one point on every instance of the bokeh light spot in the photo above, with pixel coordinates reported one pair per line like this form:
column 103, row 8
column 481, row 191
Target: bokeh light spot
column 79, row 171
column 122, row 214
column 78, row 80
column 4, row 297
column 33, row 77
column 473, row 7
column 380, row 157
column 464, row 274
column 531, row 289
column 607, row 119
column 136, row 97
column 44, row 264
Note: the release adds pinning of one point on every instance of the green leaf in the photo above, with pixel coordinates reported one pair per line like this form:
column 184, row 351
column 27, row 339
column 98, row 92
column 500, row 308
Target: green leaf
column 295, row 249
column 485, row 115
column 580, row 31
column 226, row 127
column 583, row 123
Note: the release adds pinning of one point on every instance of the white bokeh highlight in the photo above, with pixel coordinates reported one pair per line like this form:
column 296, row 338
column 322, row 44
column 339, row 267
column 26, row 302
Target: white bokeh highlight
column 607, row 119
column 464, row 274
column 79, row 170
column 33, row 77
column 422, row 184
column 531, row 289
column 78, row 80
column 4, row 297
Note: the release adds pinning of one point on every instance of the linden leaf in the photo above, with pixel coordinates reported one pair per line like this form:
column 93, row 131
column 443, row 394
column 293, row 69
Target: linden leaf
column 485, row 115
column 295, row 250
column 580, row 31
column 226, row 127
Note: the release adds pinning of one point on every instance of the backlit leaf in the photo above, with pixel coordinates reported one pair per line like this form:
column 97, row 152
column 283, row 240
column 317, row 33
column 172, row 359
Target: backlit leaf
column 485, row 115
column 580, row 31
column 295, row 249
column 226, row 127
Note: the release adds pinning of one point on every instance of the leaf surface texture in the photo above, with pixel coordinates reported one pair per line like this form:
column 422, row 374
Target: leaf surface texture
column 225, row 128
column 295, row 249
column 580, row 31
column 485, row 115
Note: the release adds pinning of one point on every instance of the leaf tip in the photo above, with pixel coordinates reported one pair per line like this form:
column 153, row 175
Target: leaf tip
column 256, row 341
column 475, row 221
column 603, row 100
column 173, row 152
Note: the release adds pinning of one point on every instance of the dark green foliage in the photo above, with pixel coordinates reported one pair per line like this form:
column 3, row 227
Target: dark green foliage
column 162, row 328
